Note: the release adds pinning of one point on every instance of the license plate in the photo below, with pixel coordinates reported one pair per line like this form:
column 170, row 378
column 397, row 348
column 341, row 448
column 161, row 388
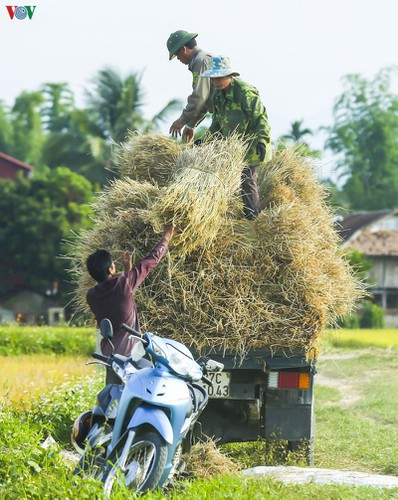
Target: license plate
column 221, row 382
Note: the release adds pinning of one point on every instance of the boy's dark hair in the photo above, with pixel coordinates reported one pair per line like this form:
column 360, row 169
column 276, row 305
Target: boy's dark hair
column 98, row 264
column 191, row 44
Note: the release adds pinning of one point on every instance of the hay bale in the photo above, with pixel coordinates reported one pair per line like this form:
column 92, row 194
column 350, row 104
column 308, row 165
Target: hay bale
column 148, row 158
column 277, row 281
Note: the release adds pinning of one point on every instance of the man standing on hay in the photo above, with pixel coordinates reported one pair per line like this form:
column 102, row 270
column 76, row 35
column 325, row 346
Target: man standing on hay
column 238, row 110
column 113, row 295
column 183, row 46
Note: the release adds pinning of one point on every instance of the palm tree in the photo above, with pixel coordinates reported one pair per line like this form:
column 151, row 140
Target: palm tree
column 113, row 108
column 297, row 132
column 58, row 106
column 295, row 137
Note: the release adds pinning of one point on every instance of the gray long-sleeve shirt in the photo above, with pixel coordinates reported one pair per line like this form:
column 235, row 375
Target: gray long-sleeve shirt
column 200, row 102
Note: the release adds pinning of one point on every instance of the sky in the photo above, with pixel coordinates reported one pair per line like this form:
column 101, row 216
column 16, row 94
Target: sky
column 294, row 51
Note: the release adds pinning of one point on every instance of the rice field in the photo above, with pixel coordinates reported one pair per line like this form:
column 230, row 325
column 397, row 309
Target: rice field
column 24, row 377
column 383, row 338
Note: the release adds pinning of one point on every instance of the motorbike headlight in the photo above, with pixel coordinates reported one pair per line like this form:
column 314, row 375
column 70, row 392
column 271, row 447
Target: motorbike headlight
column 183, row 365
column 158, row 350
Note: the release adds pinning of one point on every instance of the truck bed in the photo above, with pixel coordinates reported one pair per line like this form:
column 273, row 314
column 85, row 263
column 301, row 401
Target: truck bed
column 256, row 396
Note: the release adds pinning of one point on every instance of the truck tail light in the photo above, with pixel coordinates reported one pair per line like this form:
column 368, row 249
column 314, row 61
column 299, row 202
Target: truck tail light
column 288, row 380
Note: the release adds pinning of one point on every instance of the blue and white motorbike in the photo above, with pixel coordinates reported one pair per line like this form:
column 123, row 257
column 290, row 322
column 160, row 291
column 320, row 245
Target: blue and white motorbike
column 138, row 429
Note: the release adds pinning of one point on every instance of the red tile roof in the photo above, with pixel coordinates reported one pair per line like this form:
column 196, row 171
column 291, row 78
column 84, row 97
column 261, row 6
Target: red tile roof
column 380, row 243
column 361, row 232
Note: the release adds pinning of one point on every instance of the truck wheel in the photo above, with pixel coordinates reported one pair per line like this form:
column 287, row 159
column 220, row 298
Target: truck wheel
column 304, row 446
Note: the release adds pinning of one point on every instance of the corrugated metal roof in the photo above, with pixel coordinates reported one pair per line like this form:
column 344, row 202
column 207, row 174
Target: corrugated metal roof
column 15, row 161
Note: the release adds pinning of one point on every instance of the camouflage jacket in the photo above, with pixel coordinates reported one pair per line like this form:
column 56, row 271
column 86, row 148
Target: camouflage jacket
column 200, row 102
column 240, row 110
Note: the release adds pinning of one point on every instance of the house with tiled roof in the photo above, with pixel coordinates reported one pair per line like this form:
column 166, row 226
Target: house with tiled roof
column 9, row 167
column 375, row 234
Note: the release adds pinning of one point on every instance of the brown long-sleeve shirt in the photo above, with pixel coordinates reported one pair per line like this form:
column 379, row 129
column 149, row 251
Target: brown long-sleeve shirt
column 114, row 299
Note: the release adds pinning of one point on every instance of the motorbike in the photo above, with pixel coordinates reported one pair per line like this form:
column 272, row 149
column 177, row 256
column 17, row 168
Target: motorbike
column 138, row 429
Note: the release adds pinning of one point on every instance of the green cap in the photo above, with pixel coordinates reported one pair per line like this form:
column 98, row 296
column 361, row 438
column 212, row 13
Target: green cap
column 177, row 40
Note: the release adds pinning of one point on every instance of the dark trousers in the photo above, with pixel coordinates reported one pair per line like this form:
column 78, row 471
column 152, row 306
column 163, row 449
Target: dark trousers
column 250, row 196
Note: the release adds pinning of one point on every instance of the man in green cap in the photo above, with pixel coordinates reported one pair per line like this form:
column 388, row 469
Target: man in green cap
column 182, row 45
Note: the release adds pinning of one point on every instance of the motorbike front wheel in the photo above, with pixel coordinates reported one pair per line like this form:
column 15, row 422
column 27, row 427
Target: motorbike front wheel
column 144, row 465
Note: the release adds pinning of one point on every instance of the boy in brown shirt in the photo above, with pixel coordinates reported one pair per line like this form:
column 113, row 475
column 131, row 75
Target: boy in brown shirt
column 113, row 295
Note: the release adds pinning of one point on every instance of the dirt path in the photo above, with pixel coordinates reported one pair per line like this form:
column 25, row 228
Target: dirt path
column 349, row 387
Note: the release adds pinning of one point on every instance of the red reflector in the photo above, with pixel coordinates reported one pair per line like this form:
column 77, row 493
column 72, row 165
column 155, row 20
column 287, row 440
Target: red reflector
column 288, row 380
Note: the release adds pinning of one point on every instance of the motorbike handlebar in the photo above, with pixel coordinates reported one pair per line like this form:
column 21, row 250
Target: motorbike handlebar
column 95, row 355
column 134, row 332
column 131, row 330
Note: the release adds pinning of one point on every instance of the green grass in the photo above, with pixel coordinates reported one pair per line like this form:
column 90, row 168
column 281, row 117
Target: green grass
column 356, row 429
column 81, row 340
column 235, row 488
column 357, row 421
column 16, row 340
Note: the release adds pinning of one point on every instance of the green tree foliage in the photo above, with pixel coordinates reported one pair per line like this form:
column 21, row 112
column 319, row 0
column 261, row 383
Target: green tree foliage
column 113, row 106
column 27, row 130
column 372, row 316
column 360, row 264
column 45, row 128
column 74, row 148
column 5, row 130
column 365, row 136
column 297, row 132
column 85, row 139
column 38, row 215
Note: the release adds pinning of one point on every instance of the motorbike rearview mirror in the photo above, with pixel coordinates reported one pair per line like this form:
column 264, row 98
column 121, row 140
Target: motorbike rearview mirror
column 106, row 330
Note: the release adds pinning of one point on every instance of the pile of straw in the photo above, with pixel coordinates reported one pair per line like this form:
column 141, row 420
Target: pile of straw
column 277, row 281
column 206, row 461
column 202, row 192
